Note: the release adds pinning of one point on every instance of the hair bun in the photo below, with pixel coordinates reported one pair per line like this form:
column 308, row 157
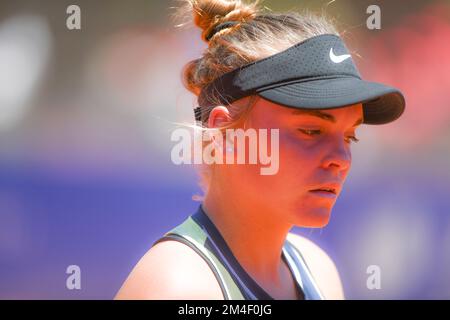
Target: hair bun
column 208, row 14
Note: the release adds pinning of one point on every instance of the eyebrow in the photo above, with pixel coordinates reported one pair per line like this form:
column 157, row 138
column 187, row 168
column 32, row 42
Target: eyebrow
column 323, row 115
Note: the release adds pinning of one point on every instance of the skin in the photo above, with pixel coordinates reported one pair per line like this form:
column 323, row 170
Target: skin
column 314, row 149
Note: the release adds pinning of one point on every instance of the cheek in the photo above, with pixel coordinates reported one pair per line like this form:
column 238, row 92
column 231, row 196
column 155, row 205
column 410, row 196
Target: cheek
column 298, row 161
column 297, row 156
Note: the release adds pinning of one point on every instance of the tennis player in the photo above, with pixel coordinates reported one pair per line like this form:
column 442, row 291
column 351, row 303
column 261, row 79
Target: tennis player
column 265, row 70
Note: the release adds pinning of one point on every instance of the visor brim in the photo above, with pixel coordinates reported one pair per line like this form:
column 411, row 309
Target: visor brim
column 381, row 104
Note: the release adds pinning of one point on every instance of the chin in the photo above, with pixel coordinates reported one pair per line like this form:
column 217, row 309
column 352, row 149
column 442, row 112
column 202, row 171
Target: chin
column 313, row 218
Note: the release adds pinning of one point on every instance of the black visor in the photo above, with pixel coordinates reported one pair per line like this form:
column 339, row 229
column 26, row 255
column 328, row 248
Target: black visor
column 317, row 73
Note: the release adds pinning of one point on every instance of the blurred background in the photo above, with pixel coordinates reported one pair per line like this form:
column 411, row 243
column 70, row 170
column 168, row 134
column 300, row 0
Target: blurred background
column 85, row 172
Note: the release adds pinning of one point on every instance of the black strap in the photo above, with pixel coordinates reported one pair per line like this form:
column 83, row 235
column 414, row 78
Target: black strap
column 219, row 27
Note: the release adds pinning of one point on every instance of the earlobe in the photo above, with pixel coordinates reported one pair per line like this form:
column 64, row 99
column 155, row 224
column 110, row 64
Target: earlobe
column 218, row 117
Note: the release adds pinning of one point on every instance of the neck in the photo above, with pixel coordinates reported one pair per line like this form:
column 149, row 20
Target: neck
column 255, row 235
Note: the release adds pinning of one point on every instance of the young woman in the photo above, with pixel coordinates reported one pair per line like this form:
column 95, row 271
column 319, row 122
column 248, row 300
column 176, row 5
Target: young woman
column 288, row 72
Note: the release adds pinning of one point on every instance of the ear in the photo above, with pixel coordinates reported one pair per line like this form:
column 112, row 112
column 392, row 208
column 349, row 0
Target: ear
column 218, row 117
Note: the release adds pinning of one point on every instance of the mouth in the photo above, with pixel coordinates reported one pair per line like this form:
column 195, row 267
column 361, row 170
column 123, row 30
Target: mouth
column 329, row 190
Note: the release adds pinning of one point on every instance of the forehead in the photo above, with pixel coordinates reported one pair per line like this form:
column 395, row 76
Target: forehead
column 351, row 113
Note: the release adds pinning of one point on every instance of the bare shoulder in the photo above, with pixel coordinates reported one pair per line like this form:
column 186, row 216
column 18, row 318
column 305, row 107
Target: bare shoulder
column 171, row 270
column 321, row 265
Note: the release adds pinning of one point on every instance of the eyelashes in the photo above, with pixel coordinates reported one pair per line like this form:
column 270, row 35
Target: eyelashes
column 353, row 139
column 317, row 132
column 310, row 132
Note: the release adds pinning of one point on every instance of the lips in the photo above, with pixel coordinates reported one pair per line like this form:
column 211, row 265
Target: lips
column 328, row 187
column 325, row 190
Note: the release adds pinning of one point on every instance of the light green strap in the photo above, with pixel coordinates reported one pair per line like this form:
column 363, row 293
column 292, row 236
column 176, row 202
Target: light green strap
column 308, row 283
column 191, row 234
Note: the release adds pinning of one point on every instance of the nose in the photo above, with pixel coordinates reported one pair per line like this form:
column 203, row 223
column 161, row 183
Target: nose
column 339, row 156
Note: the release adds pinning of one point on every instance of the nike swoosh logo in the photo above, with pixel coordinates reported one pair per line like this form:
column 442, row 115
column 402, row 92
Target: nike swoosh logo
column 338, row 59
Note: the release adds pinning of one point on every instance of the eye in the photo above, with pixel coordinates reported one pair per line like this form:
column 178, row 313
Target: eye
column 310, row 132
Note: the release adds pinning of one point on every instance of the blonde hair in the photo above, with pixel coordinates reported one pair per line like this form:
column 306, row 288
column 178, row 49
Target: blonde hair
column 259, row 33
